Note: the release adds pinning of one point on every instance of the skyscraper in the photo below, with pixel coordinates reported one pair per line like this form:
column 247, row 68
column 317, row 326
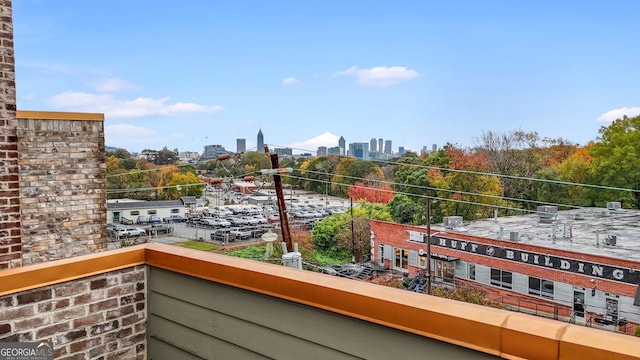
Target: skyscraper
column 387, row 147
column 342, row 145
column 241, row 145
column 373, row 145
column 359, row 150
column 322, row 151
column 260, row 146
column 380, row 148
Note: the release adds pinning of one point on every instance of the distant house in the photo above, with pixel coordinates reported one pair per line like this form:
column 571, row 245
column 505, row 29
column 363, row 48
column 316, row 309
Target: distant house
column 244, row 187
column 125, row 211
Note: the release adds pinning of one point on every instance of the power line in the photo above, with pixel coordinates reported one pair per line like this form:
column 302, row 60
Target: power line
column 560, row 182
column 443, row 189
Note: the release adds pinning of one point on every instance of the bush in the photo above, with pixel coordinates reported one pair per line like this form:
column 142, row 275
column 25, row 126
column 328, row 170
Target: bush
column 637, row 332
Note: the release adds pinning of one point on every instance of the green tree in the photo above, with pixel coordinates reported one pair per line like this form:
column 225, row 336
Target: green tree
column 336, row 237
column 402, row 209
column 190, row 185
column 119, row 153
column 474, row 192
column 616, row 155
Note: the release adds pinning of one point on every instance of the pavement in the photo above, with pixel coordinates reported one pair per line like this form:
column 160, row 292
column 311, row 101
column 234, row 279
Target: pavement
column 181, row 233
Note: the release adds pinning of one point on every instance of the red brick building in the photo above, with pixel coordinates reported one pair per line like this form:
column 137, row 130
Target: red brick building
column 582, row 266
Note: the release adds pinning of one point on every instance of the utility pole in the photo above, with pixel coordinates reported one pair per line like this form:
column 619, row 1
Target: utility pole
column 282, row 209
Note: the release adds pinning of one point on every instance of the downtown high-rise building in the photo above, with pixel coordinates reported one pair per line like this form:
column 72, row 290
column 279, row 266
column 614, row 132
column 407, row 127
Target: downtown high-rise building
column 322, row 151
column 373, row 145
column 342, row 145
column 260, row 142
column 241, row 145
column 359, row 150
column 387, row 147
column 380, row 145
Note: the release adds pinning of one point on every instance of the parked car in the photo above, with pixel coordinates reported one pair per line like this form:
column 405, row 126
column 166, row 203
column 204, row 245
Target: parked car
column 274, row 218
column 259, row 230
column 130, row 231
column 161, row 229
column 223, row 235
column 251, row 211
column 251, row 220
column 215, row 222
column 142, row 219
column 154, row 219
column 174, row 218
column 238, row 221
column 241, row 234
column 113, row 229
column 261, row 219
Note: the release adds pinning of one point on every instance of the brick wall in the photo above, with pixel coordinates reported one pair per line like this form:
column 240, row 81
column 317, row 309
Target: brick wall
column 396, row 235
column 10, row 248
column 98, row 317
column 62, row 183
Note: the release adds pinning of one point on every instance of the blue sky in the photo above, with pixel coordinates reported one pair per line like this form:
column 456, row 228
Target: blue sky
column 184, row 73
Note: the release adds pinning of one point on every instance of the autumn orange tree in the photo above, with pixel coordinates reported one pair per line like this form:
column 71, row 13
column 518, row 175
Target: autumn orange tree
column 475, row 192
column 373, row 193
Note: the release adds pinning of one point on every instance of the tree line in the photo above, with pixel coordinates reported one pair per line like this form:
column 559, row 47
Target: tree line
column 506, row 172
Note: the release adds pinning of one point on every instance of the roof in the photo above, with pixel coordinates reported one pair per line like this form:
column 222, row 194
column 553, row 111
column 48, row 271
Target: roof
column 188, row 200
column 144, row 204
column 585, row 230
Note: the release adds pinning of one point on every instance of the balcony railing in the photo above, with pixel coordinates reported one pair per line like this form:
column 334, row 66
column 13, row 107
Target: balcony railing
column 200, row 304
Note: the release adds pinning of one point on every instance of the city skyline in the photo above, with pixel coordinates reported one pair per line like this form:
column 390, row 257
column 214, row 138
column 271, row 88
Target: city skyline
column 241, row 146
column 421, row 73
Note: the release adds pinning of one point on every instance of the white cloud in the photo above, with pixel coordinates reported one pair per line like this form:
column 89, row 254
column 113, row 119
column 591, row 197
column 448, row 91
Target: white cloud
column 115, row 84
column 127, row 131
column 326, row 139
column 614, row 114
column 116, row 108
column 133, row 138
column 380, row 75
column 289, row 81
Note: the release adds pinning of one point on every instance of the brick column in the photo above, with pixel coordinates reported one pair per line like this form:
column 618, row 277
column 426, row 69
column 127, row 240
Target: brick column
column 10, row 243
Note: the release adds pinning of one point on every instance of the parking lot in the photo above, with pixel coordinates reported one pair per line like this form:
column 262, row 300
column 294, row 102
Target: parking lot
column 220, row 225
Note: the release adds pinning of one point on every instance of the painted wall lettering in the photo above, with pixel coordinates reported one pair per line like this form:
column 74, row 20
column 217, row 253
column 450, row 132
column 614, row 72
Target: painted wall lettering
column 539, row 259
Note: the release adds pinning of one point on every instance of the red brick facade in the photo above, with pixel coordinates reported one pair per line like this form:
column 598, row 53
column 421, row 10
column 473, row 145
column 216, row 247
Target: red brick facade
column 595, row 288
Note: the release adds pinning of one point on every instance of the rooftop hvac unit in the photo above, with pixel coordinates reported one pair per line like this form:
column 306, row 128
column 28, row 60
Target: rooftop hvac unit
column 610, row 240
column 614, row 205
column 547, row 213
column 452, row 222
column 514, row 236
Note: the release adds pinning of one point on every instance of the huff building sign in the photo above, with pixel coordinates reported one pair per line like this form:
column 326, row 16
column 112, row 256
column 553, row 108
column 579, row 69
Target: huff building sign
column 586, row 268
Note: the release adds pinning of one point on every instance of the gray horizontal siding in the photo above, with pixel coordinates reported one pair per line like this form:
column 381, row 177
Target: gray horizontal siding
column 209, row 320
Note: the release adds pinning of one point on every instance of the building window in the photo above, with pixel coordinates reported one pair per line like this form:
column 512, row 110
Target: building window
column 135, row 213
column 422, row 261
column 501, row 278
column 175, row 211
column 381, row 254
column 541, row 287
column 152, row 212
column 611, row 309
column 471, row 271
column 445, row 270
column 402, row 259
